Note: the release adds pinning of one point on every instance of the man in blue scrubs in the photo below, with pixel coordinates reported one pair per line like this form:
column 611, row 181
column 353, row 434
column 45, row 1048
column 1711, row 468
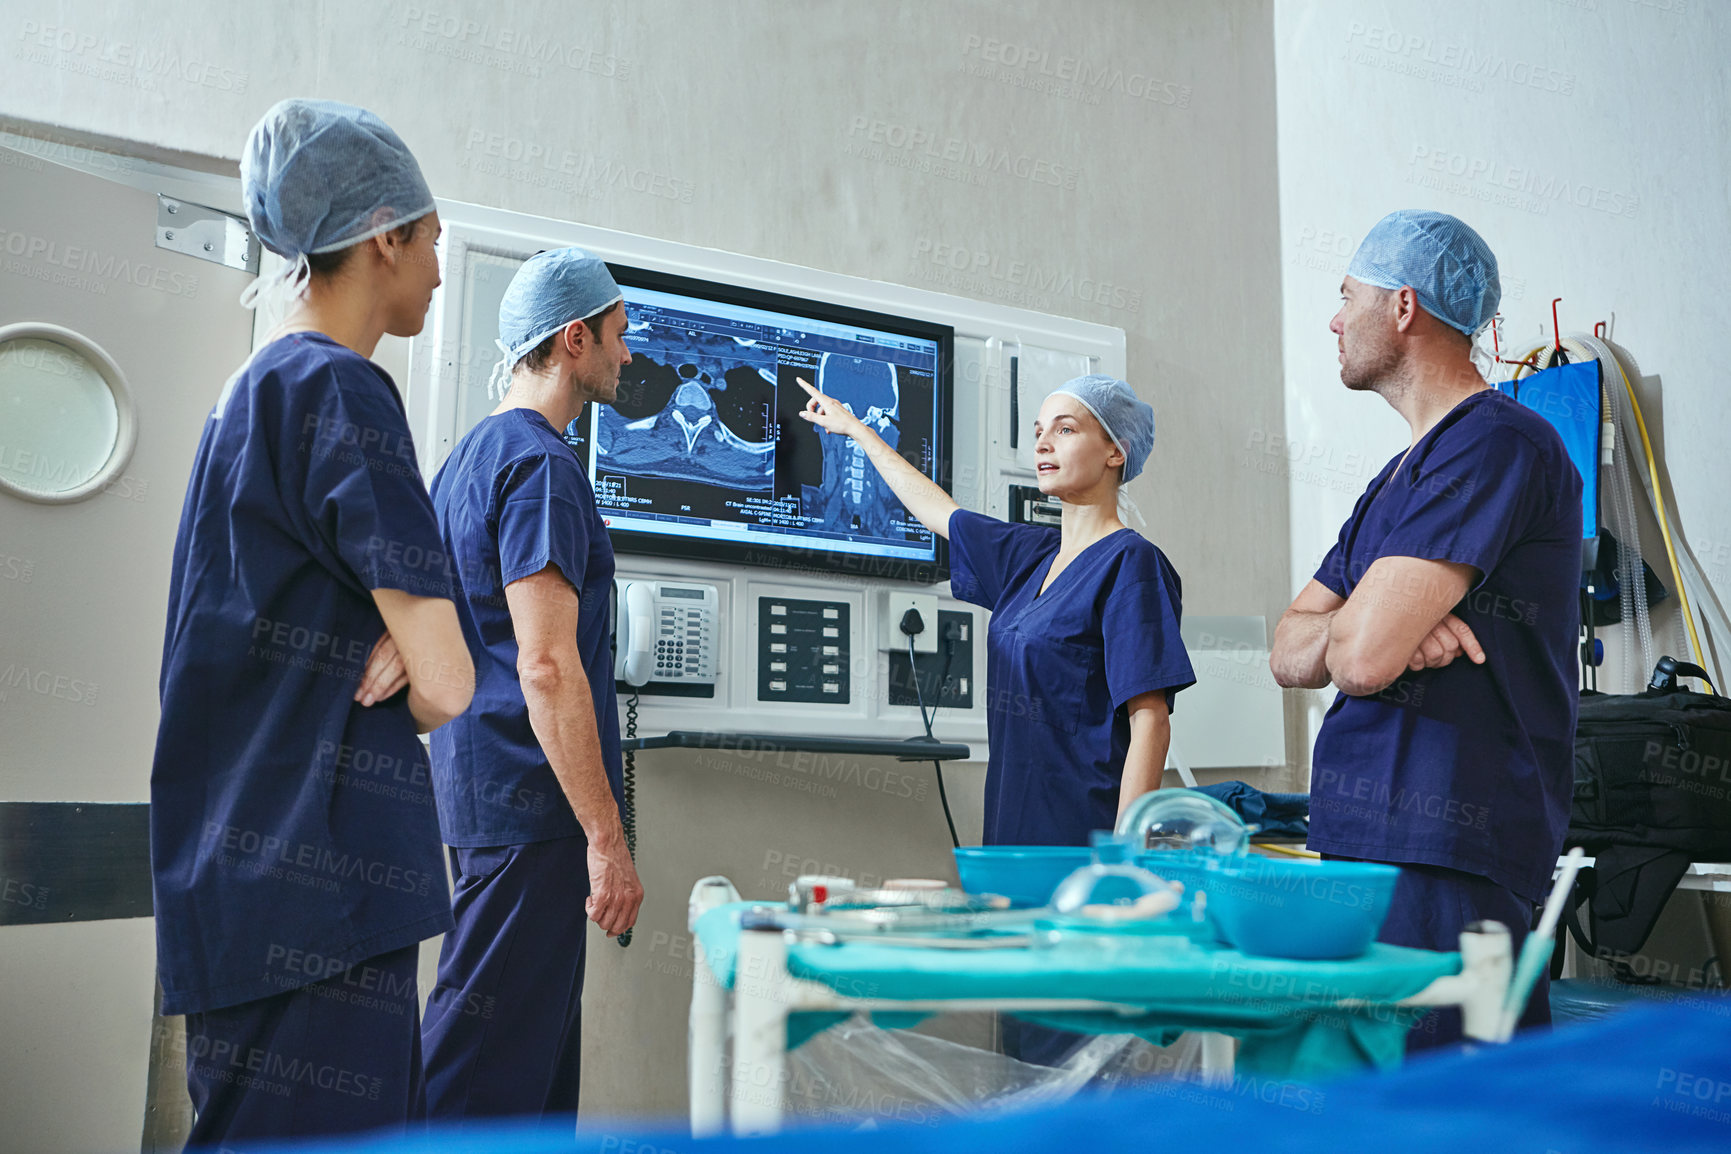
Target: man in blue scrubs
column 1446, row 614
column 529, row 780
column 311, row 634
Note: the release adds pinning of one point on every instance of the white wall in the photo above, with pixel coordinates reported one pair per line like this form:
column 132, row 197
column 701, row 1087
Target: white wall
column 1586, row 140
column 1117, row 167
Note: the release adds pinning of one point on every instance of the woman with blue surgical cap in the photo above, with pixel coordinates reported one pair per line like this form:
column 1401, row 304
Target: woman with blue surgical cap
column 1084, row 653
column 311, row 636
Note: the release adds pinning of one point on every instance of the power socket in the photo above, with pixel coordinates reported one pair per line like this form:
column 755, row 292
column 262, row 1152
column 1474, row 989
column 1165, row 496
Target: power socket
column 892, row 604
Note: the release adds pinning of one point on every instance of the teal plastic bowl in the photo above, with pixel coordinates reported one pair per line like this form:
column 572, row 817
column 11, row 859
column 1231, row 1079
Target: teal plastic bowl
column 1306, row 910
column 1026, row 874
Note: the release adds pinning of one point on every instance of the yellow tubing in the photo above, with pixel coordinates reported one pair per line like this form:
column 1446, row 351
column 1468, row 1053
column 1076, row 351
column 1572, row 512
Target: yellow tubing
column 1286, row 849
column 1664, row 521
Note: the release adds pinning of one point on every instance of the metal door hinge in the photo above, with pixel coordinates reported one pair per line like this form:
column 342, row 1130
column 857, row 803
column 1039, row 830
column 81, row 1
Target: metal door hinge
column 206, row 233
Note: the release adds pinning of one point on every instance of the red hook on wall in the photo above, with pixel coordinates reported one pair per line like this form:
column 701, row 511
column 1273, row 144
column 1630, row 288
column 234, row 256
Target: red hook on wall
column 1497, row 345
column 1556, row 330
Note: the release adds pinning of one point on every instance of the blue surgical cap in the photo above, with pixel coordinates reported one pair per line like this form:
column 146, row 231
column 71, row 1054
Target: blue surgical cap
column 551, row 290
column 1127, row 419
column 1447, row 264
column 317, row 176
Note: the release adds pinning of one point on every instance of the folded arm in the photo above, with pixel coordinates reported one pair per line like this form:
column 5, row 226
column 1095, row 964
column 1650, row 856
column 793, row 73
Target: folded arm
column 1399, row 617
column 1299, row 659
column 424, row 647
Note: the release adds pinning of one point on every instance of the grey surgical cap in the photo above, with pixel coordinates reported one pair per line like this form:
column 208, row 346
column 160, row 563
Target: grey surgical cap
column 1128, row 420
column 551, row 290
column 1447, row 264
column 317, row 176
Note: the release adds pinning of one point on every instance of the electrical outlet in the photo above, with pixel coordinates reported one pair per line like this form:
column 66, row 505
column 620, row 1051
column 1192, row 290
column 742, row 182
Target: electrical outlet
column 892, row 604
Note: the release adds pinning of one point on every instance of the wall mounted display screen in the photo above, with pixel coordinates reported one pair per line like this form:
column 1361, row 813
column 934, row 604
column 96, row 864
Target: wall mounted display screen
column 703, row 454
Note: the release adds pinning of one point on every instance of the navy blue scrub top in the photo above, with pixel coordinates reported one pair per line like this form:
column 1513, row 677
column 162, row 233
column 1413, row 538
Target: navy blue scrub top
column 1060, row 667
column 512, row 500
column 1469, row 766
column 292, row 831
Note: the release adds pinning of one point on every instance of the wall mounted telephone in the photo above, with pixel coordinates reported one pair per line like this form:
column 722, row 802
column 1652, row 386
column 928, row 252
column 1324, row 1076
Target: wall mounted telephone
column 666, row 635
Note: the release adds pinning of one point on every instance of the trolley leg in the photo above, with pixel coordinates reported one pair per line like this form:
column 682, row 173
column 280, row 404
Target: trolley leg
column 1216, row 1059
column 707, row 1041
column 760, row 988
column 706, row 1038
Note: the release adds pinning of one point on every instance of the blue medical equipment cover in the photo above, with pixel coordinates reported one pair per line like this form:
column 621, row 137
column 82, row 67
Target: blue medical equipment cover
column 292, row 830
column 1648, row 1079
column 1568, row 397
column 1060, row 666
column 1284, row 1011
column 1468, row 766
column 512, row 500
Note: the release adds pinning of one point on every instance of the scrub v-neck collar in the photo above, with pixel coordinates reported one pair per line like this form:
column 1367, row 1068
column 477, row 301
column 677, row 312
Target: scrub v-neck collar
column 1040, row 587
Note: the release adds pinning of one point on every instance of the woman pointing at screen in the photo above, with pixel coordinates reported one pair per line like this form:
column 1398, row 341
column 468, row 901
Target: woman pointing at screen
column 1084, row 656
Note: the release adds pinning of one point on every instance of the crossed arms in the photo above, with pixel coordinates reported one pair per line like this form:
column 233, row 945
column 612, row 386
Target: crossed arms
column 1399, row 618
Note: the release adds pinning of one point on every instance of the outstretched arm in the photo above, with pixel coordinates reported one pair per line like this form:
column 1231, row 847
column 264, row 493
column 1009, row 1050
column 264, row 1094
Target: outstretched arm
column 918, row 493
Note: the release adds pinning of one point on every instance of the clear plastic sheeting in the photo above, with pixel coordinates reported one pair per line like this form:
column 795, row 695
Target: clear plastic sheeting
column 858, row 1074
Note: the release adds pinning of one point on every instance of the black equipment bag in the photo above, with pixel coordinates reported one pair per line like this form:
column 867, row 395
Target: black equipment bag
column 1652, row 794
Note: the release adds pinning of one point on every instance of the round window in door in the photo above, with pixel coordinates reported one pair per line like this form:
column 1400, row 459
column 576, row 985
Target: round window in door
column 66, row 417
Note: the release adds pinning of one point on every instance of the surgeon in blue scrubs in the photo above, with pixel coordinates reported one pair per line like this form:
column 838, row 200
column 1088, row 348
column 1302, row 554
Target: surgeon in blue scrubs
column 1446, row 614
column 529, row 780
column 311, row 636
column 1083, row 652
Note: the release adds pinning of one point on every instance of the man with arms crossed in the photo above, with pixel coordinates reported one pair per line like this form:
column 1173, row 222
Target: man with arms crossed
column 528, row 786
column 1446, row 614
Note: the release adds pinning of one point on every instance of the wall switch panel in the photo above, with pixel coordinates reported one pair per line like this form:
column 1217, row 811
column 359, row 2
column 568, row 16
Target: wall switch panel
column 802, row 650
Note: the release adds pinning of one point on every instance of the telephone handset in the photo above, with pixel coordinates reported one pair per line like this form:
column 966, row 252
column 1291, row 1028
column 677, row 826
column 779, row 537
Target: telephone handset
column 665, row 631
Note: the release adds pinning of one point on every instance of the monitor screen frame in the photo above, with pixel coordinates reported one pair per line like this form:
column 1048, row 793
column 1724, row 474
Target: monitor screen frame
column 803, row 557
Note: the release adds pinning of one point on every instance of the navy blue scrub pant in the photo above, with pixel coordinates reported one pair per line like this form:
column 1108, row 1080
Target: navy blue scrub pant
column 338, row 1056
column 504, row 1026
column 1431, row 906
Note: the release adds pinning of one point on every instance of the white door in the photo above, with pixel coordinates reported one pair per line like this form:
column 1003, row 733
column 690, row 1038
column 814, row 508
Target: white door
column 83, row 596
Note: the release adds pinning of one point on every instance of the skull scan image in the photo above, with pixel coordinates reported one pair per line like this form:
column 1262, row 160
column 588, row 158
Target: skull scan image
column 853, row 498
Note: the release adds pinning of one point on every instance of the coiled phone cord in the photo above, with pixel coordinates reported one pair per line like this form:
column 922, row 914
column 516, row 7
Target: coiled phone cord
column 628, row 808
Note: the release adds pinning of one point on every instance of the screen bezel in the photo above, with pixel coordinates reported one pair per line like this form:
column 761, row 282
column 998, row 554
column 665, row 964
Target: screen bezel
column 794, row 559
